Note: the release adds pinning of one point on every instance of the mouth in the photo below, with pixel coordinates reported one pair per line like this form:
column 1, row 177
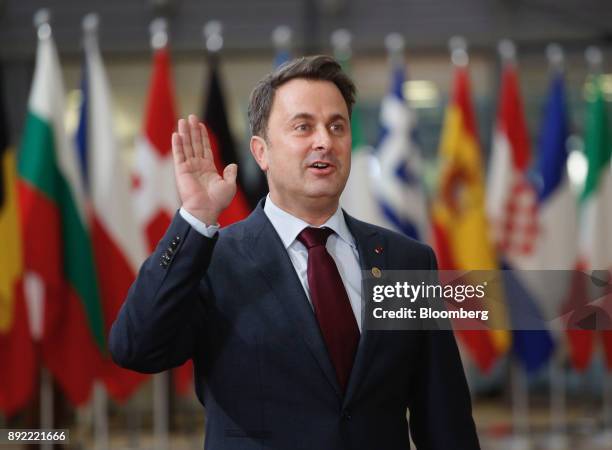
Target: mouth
column 321, row 167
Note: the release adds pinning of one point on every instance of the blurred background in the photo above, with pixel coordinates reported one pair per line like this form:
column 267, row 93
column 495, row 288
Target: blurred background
column 481, row 128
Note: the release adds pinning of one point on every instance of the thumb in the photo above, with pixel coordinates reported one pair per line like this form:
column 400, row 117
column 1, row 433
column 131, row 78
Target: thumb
column 230, row 173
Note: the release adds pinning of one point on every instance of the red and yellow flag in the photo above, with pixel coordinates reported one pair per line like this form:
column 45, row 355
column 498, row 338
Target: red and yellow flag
column 460, row 230
column 17, row 353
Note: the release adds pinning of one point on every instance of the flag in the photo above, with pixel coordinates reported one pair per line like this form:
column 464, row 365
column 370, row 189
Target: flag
column 358, row 198
column 153, row 180
column 17, row 353
column 399, row 188
column 460, row 231
column 596, row 198
column 224, row 153
column 153, row 183
column 358, row 195
column 512, row 205
column 557, row 209
column 556, row 246
column 222, row 145
column 119, row 246
column 58, row 253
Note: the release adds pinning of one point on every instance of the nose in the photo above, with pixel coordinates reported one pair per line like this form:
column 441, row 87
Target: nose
column 322, row 139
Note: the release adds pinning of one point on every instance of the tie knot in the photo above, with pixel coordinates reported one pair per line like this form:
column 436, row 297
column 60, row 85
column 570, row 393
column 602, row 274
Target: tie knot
column 313, row 237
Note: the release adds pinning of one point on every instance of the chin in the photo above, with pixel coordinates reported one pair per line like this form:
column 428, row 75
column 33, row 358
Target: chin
column 324, row 193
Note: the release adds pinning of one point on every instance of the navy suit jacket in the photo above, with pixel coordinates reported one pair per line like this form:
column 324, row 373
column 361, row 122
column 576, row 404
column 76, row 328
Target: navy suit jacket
column 235, row 305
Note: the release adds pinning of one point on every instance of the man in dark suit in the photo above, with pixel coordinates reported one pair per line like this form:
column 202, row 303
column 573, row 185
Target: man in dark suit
column 270, row 309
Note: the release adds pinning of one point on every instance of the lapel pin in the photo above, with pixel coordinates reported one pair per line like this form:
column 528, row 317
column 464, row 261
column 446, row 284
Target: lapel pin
column 376, row 272
column 378, row 250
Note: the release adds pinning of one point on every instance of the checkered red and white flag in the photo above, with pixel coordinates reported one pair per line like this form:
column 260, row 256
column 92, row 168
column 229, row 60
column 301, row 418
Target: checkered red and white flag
column 513, row 209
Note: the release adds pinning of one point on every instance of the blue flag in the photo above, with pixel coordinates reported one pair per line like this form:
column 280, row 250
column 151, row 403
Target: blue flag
column 399, row 188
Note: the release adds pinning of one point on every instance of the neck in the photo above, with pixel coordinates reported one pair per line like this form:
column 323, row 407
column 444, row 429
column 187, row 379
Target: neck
column 315, row 211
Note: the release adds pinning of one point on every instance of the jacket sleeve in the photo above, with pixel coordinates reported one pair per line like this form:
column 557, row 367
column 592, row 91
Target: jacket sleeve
column 440, row 406
column 157, row 326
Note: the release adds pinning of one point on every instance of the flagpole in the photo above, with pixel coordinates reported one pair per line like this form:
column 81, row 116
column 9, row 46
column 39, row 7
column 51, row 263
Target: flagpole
column 160, row 410
column 100, row 420
column 606, row 436
column 341, row 40
column 213, row 36
column 557, row 439
column 133, row 424
column 519, row 386
column 395, row 45
column 101, row 436
column 34, row 288
column 282, row 40
column 520, row 407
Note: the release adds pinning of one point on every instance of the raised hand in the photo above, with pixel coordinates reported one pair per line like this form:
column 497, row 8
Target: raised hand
column 203, row 192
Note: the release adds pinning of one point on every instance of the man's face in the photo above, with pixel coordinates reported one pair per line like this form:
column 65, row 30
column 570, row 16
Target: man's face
column 307, row 154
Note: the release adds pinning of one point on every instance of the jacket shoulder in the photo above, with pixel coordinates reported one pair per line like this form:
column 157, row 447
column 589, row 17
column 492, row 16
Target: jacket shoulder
column 400, row 247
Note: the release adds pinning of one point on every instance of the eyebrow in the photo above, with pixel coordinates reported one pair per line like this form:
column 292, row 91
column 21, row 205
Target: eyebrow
column 307, row 116
column 301, row 116
column 338, row 116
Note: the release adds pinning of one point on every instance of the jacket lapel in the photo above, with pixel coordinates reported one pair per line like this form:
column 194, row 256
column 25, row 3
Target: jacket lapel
column 371, row 247
column 272, row 261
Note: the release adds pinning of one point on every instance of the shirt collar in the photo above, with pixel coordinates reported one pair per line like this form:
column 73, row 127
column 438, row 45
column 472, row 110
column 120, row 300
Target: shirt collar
column 289, row 227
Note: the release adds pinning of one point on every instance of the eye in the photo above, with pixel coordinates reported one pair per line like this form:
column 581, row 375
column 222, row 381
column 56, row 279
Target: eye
column 302, row 127
column 337, row 127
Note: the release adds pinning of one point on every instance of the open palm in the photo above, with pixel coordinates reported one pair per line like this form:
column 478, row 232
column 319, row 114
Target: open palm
column 203, row 192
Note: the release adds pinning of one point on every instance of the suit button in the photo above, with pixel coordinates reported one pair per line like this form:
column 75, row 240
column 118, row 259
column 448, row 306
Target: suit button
column 164, row 260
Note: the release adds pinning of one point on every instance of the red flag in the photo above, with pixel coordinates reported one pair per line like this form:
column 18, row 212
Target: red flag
column 153, row 182
column 460, row 229
column 157, row 198
column 119, row 246
column 60, row 274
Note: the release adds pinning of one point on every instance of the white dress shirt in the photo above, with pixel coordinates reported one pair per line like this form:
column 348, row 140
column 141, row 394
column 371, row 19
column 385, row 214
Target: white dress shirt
column 340, row 245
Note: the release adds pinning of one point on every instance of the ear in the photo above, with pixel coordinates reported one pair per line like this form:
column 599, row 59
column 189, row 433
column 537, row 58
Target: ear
column 259, row 150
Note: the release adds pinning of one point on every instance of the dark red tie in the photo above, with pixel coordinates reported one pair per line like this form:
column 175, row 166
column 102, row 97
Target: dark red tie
column 331, row 303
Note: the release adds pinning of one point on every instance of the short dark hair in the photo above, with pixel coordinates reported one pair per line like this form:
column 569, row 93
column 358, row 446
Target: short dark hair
column 318, row 67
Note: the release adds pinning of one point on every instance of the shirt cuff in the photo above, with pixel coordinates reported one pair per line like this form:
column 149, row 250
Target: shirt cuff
column 205, row 230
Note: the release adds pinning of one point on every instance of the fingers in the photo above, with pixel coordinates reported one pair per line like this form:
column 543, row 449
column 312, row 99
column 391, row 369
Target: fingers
column 178, row 153
column 196, row 136
column 183, row 131
column 205, row 142
column 230, row 173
